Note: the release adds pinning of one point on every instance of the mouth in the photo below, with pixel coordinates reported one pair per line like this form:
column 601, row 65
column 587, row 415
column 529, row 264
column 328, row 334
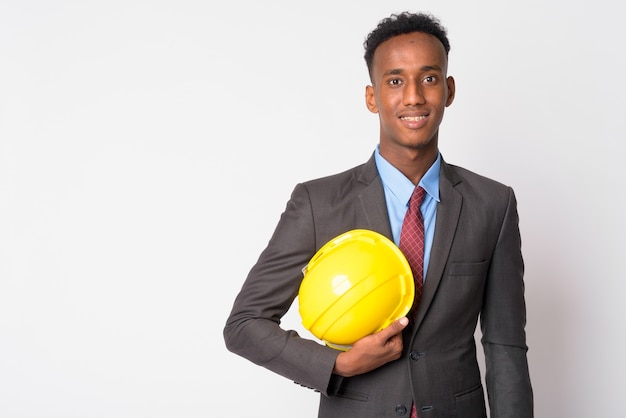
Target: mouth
column 413, row 118
column 414, row 121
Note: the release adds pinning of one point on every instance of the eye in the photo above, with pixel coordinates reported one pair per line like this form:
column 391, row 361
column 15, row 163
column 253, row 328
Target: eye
column 394, row 82
column 431, row 79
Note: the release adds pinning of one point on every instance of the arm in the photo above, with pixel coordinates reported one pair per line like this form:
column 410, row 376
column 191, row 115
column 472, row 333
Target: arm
column 253, row 327
column 503, row 320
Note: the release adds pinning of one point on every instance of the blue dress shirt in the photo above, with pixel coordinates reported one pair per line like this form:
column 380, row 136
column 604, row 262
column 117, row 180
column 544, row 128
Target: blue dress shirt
column 398, row 189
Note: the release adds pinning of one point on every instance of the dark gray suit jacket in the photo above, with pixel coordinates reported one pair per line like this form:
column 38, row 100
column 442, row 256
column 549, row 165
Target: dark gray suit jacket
column 475, row 271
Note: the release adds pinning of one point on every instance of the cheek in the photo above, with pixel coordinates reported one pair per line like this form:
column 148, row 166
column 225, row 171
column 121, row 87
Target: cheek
column 389, row 102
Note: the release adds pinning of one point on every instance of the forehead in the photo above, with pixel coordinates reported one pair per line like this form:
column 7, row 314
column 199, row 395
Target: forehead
column 409, row 50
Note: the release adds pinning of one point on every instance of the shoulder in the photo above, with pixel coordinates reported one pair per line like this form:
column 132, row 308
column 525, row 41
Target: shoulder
column 345, row 181
column 458, row 175
column 473, row 185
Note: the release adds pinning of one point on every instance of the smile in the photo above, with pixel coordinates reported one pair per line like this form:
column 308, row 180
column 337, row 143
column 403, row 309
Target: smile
column 413, row 118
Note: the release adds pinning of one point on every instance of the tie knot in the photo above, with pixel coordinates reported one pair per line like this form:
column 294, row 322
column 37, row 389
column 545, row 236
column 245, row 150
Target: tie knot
column 417, row 197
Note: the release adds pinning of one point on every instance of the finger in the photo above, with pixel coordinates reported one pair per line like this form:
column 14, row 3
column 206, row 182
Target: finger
column 400, row 323
column 395, row 327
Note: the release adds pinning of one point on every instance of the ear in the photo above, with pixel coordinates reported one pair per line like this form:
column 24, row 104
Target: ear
column 370, row 100
column 451, row 90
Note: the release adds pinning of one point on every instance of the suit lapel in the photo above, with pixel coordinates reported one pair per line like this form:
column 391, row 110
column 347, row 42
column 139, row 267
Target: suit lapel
column 372, row 198
column 448, row 211
column 375, row 216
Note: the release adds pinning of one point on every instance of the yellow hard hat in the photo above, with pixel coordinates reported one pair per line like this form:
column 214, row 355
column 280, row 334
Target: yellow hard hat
column 355, row 285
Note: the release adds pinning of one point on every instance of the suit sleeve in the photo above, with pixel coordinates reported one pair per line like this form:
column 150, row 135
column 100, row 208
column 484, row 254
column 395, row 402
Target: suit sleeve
column 503, row 323
column 253, row 328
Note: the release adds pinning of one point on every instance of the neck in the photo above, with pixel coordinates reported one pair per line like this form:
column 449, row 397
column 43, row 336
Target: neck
column 413, row 163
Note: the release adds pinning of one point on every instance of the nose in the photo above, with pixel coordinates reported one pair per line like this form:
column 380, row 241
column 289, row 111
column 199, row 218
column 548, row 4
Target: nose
column 413, row 94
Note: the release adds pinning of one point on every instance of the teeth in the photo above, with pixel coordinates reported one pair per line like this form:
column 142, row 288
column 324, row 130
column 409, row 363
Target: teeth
column 413, row 118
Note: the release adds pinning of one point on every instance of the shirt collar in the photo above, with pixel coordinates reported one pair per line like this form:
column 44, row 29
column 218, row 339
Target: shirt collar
column 401, row 187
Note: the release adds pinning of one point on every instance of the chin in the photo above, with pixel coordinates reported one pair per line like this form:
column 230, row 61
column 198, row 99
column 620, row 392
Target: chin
column 420, row 145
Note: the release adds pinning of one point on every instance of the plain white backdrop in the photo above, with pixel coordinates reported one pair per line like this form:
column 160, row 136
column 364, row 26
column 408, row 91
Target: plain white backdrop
column 147, row 149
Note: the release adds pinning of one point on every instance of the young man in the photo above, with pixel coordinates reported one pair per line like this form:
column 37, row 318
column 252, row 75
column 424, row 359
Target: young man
column 472, row 269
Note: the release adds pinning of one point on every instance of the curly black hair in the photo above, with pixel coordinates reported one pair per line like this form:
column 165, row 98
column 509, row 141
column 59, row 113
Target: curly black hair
column 398, row 24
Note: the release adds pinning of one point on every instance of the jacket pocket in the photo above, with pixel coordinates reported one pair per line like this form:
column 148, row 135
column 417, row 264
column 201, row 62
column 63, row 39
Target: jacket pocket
column 471, row 403
column 351, row 394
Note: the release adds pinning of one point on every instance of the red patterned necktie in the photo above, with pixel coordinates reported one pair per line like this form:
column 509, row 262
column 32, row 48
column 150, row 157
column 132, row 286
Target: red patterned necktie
column 412, row 242
column 412, row 245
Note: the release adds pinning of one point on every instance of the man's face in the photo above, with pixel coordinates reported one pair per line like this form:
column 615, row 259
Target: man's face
column 410, row 91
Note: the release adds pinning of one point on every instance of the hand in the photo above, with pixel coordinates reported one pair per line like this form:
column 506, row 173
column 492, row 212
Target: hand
column 372, row 351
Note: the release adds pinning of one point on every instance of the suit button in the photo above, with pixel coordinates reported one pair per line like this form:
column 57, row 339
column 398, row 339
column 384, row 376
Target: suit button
column 401, row 410
column 415, row 356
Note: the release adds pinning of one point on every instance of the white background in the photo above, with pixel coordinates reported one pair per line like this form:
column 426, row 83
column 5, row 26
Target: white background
column 147, row 149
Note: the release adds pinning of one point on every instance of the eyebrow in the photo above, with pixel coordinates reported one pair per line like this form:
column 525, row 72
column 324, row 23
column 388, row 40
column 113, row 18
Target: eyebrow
column 396, row 71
